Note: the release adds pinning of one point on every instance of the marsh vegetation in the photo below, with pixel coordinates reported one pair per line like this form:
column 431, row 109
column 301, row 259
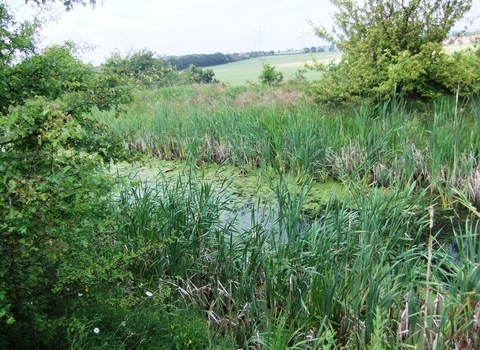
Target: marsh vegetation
column 152, row 209
column 389, row 261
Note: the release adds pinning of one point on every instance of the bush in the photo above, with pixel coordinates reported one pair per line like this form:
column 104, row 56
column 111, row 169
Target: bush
column 197, row 75
column 397, row 53
column 55, row 206
column 270, row 75
column 55, row 203
column 147, row 69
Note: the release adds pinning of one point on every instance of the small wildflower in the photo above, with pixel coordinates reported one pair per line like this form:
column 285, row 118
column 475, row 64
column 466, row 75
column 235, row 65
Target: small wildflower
column 189, row 342
column 149, row 294
column 86, row 289
column 172, row 326
column 80, row 294
column 96, row 330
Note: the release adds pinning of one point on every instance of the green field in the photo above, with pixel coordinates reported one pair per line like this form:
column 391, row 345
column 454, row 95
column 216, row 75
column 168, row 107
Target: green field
column 242, row 72
column 238, row 73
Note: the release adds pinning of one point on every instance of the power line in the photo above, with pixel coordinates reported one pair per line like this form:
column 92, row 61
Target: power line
column 260, row 42
column 303, row 39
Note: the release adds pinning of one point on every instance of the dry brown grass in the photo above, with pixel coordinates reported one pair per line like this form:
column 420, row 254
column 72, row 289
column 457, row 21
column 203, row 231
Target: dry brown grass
column 266, row 98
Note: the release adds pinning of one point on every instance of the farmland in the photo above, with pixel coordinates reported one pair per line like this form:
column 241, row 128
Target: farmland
column 238, row 73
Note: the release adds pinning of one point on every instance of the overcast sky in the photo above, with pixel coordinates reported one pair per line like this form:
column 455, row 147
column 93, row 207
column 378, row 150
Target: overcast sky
column 179, row 27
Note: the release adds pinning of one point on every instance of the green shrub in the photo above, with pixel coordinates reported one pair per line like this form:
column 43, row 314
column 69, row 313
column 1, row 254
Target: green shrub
column 198, row 75
column 55, row 211
column 55, row 203
column 391, row 48
column 270, row 76
column 145, row 67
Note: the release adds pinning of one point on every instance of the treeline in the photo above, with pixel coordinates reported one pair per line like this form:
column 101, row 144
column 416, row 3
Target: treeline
column 456, row 33
column 207, row 60
column 324, row 48
column 255, row 54
column 204, row 60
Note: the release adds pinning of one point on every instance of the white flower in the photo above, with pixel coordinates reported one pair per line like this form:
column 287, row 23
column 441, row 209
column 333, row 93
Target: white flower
column 123, row 324
column 148, row 294
column 96, row 330
column 80, row 294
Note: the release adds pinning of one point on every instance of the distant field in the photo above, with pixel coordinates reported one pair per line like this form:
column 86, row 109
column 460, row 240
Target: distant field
column 238, row 73
column 458, row 47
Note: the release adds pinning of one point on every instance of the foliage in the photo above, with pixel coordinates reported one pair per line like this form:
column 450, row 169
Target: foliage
column 154, row 72
column 197, row 75
column 67, row 3
column 148, row 69
column 270, row 75
column 89, row 263
column 389, row 47
column 54, row 201
column 257, row 54
column 54, row 204
column 460, row 72
column 263, row 272
column 148, row 324
column 203, row 60
column 16, row 38
column 380, row 145
column 270, row 281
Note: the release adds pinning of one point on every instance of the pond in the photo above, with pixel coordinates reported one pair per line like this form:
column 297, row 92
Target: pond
column 243, row 189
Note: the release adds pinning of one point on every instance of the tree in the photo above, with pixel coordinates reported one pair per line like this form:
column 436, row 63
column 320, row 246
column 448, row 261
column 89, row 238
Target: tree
column 67, row 3
column 389, row 46
column 390, row 25
column 270, row 76
column 148, row 69
column 306, row 49
column 202, row 60
column 54, row 201
column 313, row 49
column 197, row 75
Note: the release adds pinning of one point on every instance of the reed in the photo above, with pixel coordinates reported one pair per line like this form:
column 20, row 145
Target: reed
column 370, row 269
column 357, row 271
column 380, row 145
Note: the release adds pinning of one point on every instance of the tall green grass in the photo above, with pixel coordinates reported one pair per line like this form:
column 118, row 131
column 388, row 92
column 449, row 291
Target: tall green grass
column 385, row 145
column 357, row 275
column 371, row 269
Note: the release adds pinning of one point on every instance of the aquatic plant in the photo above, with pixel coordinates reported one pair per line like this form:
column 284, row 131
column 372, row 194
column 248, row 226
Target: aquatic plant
column 386, row 145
